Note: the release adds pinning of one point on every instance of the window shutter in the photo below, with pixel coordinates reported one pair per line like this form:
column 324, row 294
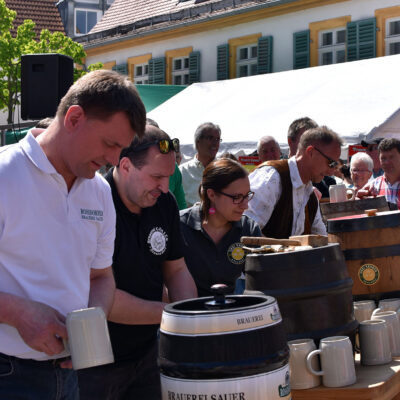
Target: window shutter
column 157, row 71
column 264, row 55
column 301, row 49
column 194, row 67
column 121, row 68
column 361, row 39
column 223, row 62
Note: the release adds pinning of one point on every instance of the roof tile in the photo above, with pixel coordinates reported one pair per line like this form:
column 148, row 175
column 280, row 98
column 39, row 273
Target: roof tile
column 43, row 12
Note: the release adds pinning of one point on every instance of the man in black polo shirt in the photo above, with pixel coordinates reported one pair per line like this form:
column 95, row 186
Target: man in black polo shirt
column 147, row 255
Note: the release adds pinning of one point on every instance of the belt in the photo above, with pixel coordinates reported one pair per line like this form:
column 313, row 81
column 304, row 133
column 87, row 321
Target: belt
column 54, row 362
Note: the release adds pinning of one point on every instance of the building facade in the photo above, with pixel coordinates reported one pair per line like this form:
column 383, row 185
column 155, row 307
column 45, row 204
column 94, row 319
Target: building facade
column 181, row 42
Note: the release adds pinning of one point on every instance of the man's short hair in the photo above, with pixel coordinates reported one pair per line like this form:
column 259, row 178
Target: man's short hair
column 365, row 158
column 267, row 139
column 152, row 134
column 203, row 129
column 44, row 123
column 389, row 144
column 300, row 125
column 321, row 135
column 103, row 93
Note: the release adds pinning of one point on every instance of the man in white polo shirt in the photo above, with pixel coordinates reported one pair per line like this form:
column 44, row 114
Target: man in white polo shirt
column 57, row 230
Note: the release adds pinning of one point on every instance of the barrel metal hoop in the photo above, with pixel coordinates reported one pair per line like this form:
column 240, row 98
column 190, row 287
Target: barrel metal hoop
column 364, row 224
column 373, row 252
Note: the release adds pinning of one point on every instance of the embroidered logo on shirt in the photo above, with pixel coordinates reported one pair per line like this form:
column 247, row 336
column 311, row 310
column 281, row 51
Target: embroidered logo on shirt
column 92, row 215
column 158, row 241
column 236, row 254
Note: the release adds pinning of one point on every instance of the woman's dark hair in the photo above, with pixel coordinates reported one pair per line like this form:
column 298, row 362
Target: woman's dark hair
column 345, row 170
column 217, row 176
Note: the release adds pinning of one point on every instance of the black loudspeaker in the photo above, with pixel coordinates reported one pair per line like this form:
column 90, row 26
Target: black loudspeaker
column 45, row 78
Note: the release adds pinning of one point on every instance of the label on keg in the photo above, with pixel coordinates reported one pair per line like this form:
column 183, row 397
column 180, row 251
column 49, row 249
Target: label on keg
column 368, row 274
column 273, row 385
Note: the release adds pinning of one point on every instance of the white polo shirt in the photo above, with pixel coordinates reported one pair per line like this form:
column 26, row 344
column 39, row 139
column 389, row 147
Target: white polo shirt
column 49, row 238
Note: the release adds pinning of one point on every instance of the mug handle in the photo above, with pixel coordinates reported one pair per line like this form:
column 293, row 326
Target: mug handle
column 309, row 366
column 376, row 311
column 354, row 193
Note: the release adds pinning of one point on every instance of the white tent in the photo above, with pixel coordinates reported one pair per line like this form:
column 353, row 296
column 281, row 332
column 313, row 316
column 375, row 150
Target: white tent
column 354, row 99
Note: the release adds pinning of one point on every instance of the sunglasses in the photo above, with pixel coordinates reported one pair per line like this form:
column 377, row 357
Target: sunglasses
column 164, row 145
column 331, row 163
column 239, row 198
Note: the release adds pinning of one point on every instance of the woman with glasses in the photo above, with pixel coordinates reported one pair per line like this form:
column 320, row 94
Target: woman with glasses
column 212, row 228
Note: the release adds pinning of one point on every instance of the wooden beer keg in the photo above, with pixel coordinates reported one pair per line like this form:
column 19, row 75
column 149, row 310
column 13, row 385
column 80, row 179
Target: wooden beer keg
column 313, row 289
column 371, row 248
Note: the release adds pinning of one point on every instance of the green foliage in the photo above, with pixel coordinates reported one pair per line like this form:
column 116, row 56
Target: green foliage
column 25, row 42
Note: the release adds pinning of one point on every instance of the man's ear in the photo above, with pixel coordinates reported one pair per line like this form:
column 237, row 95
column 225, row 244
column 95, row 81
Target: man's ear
column 74, row 118
column 125, row 165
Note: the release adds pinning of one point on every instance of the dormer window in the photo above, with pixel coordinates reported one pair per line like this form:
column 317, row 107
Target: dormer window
column 85, row 20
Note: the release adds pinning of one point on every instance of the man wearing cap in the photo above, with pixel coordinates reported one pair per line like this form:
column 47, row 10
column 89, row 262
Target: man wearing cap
column 388, row 184
column 372, row 151
column 148, row 254
column 284, row 203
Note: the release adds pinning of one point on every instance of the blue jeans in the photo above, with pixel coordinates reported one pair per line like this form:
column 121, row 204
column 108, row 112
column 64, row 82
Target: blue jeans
column 123, row 380
column 36, row 380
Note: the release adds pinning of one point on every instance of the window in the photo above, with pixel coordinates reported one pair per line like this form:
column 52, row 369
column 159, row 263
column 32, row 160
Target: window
column 85, row 20
column 142, row 74
column 246, row 60
column 180, row 71
column 392, row 39
column 332, row 48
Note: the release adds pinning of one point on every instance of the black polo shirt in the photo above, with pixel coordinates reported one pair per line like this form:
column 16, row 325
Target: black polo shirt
column 210, row 263
column 142, row 243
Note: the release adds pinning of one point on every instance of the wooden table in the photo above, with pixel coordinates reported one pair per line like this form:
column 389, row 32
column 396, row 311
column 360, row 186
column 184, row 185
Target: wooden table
column 377, row 382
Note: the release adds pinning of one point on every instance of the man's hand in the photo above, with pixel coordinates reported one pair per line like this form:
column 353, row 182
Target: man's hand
column 365, row 192
column 41, row 327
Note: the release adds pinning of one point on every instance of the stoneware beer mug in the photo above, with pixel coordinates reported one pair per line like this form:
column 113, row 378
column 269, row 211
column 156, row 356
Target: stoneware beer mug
column 337, row 361
column 338, row 193
column 88, row 338
column 300, row 376
column 363, row 309
column 388, row 305
column 393, row 324
column 374, row 342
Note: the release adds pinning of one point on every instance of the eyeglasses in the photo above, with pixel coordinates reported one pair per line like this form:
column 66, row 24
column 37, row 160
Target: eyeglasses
column 239, row 198
column 331, row 163
column 359, row 171
column 211, row 138
column 164, row 145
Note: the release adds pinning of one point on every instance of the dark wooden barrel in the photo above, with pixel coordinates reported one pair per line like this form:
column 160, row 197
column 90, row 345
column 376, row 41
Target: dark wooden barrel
column 344, row 208
column 237, row 351
column 313, row 289
column 371, row 247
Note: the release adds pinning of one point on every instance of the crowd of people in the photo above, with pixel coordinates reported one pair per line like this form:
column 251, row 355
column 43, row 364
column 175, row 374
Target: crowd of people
column 152, row 230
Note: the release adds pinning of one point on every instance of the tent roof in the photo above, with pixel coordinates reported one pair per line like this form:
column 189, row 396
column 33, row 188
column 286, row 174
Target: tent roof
column 351, row 98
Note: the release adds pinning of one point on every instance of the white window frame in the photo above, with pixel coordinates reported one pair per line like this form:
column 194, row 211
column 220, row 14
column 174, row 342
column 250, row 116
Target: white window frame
column 389, row 39
column 183, row 72
column 246, row 62
column 144, row 78
column 98, row 12
column 332, row 48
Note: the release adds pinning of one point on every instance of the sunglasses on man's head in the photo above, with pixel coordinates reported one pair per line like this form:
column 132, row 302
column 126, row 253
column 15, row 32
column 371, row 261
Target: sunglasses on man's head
column 331, row 163
column 164, row 145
